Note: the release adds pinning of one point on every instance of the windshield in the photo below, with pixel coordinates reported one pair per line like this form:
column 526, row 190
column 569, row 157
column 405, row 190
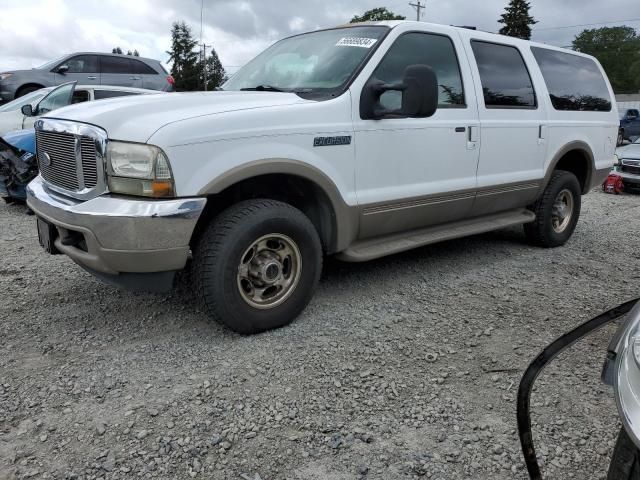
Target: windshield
column 31, row 98
column 51, row 64
column 322, row 61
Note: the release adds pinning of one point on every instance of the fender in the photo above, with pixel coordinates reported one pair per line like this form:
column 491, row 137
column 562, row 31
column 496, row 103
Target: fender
column 576, row 145
column 346, row 218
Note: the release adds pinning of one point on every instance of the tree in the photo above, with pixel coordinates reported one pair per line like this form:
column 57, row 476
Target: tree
column 188, row 67
column 184, row 68
column 618, row 50
column 376, row 15
column 117, row 50
column 516, row 19
column 135, row 53
column 216, row 74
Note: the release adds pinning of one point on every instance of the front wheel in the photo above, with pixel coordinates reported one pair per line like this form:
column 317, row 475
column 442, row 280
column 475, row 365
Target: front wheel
column 557, row 211
column 257, row 265
column 625, row 461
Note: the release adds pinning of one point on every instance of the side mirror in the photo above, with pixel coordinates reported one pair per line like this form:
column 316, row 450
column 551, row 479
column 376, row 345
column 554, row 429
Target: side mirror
column 27, row 110
column 62, row 69
column 419, row 88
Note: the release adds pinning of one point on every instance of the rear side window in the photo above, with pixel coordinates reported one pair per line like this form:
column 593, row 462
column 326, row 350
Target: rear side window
column 115, row 65
column 574, row 83
column 82, row 64
column 102, row 94
column 142, row 68
column 506, row 82
column 436, row 51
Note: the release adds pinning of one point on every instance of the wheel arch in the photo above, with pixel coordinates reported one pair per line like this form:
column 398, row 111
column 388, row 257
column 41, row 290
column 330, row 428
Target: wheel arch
column 302, row 185
column 27, row 85
column 576, row 157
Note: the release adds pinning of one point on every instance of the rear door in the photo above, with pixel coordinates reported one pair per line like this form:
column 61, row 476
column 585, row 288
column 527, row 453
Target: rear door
column 148, row 76
column 118, row 71
column 512, row 143
column 80, row 68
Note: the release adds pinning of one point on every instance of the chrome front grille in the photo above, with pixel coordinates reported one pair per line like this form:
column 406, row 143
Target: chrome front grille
column 57, row 159
column 89, row 164
column 631, row 166
column 70, row 157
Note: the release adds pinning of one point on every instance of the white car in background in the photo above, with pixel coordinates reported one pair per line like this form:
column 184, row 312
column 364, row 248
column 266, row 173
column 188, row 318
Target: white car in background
column 12, row 115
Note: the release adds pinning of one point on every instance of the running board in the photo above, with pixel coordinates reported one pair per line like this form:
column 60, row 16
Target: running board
column 400, row 242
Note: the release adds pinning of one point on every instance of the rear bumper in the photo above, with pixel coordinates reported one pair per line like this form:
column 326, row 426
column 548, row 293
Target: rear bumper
column 121, row 235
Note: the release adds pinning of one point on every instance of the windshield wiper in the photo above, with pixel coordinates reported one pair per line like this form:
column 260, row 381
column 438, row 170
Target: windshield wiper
column 262, row 88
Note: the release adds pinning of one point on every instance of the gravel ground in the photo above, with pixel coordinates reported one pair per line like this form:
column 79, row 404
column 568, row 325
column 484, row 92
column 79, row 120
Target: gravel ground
column 405, row 367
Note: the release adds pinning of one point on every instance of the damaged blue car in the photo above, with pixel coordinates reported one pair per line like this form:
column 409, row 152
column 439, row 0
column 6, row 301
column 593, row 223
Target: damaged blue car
column 18, row 164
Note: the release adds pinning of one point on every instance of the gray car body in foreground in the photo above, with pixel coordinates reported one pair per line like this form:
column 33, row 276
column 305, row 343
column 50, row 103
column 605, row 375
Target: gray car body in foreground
column 87, row 68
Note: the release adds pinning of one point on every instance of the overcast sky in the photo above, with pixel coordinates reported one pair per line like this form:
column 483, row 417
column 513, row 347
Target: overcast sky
column 35, row 31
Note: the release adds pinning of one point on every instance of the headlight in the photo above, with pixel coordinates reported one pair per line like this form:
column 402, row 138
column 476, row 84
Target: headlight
column 139, row 169
column 4, row 76
column 616, row 159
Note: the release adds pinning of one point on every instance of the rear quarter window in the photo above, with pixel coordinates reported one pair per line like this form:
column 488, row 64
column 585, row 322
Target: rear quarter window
column 575, row 83
column 142, row 68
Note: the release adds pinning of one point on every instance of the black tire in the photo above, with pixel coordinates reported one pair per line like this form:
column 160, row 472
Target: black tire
column 625, row 463
column 28, row 89
column 541, row 231
column 219, row 254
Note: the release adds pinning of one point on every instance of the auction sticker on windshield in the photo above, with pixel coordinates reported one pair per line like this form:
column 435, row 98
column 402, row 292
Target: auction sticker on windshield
column 356, row 42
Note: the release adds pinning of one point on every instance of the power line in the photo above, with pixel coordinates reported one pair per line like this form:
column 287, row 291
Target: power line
column 587, row 24
column 418, row 6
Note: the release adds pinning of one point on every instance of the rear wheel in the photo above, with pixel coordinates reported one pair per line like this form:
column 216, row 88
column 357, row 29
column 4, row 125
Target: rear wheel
column 625, row 463
column 257, row 265
column 557, row 211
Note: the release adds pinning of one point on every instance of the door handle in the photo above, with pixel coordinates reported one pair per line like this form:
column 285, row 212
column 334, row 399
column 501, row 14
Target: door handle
column 134, row 78
column 473, row 134
column 91, row 77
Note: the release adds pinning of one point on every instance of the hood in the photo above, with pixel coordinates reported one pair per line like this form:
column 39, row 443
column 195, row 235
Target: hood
column 629, row 151
column 24, row 140
column 136, row 118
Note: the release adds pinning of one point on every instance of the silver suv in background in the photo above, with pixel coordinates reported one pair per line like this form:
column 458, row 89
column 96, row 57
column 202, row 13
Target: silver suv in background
column 87, row 68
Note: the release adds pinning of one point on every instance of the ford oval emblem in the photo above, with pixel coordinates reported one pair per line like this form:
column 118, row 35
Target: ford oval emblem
column 45, row 159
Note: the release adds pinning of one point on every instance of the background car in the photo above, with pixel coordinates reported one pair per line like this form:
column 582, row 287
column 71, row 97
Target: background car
column 629, row 125
column 12, row 117
column 87, row 68
column 628, row 166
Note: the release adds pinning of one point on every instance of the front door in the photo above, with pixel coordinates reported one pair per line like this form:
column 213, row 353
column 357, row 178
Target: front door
column 82, row 69
column 416, row 172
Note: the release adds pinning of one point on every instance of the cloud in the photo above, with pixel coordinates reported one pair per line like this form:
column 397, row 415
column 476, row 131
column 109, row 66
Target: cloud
column 35, row 31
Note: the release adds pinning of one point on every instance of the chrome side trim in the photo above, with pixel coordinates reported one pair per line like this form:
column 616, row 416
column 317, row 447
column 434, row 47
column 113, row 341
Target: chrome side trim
column 420, row 202
column 516, row 187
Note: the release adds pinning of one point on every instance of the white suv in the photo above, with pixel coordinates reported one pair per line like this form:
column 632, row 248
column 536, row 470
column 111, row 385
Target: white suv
column 358, row 141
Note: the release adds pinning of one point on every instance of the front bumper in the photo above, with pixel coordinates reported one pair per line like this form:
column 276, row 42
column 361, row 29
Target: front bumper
column 121, row 234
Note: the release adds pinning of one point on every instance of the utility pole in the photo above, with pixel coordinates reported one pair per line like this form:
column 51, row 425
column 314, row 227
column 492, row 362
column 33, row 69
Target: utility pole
column 204, row 63
column 419, row 7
